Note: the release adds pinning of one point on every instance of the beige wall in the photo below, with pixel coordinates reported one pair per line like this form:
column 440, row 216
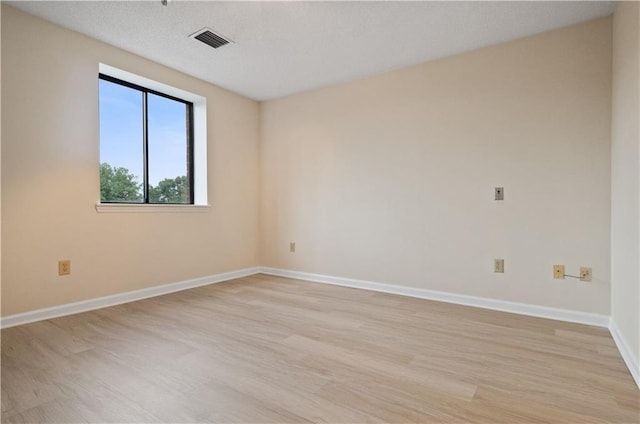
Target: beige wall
column 391, row 178
column 50, row 179
column 388, row 179
column 625, row 175
column 0, row 174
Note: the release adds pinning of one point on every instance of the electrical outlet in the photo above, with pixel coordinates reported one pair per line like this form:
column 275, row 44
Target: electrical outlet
column 585, row 273
column 64, row 267
column 498, row 265
column 558, row 271
column 292, row 247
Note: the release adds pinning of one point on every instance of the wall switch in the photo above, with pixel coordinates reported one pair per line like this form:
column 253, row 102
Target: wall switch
column 499, row 193
column 585, row 273
column 558, row 271
column 64, row 267
column 292, row 247
column 498, row 265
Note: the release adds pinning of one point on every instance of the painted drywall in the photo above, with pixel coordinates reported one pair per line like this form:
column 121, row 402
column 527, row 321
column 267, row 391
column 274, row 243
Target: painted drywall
column 0, row 173
column 50, row 178
column 625, row 175
column 391, row 178
column 387, row 179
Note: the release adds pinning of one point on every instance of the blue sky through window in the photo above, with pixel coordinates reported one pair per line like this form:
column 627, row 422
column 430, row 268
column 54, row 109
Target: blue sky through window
column 167, row 138
column 121, row 132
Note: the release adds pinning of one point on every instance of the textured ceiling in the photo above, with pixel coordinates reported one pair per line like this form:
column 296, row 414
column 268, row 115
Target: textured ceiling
column 282, row 48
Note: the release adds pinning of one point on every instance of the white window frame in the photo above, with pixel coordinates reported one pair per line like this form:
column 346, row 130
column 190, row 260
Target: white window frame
column 200, row 201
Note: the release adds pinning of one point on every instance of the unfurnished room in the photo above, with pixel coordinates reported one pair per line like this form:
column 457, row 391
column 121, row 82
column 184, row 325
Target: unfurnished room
column 320, row 211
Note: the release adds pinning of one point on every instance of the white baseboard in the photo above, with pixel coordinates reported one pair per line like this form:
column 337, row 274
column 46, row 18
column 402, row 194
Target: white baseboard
column 119, row 298
column 480, row 302
column 625, row 352
column 460, row 299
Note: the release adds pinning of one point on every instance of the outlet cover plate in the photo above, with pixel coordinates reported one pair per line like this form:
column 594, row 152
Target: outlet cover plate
column 558, row 271
column 64, row 267
column 498, row 265
column 585, row 273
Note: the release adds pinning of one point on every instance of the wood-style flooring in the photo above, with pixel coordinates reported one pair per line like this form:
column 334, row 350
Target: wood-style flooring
column 267, row 349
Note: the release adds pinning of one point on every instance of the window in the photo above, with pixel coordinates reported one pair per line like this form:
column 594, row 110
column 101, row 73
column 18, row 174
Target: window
column 139, row 158
column 146, row 145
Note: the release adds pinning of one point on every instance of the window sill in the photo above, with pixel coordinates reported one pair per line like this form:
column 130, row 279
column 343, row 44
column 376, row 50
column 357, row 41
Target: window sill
column 131, row 208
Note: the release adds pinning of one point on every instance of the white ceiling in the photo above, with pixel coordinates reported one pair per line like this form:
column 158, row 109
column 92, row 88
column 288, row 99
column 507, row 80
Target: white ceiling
column 286, row 47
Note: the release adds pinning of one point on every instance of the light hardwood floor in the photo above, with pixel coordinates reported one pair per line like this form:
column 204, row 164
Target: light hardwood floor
column 267, row 349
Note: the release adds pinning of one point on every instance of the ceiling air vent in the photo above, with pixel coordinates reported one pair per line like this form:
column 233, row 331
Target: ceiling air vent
column 210, row 38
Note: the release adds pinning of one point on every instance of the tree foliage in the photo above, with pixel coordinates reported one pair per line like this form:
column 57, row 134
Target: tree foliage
column 170, row 190
column 118, row 185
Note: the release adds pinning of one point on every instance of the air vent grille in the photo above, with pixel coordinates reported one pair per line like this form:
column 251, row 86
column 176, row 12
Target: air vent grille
column 210, row 38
